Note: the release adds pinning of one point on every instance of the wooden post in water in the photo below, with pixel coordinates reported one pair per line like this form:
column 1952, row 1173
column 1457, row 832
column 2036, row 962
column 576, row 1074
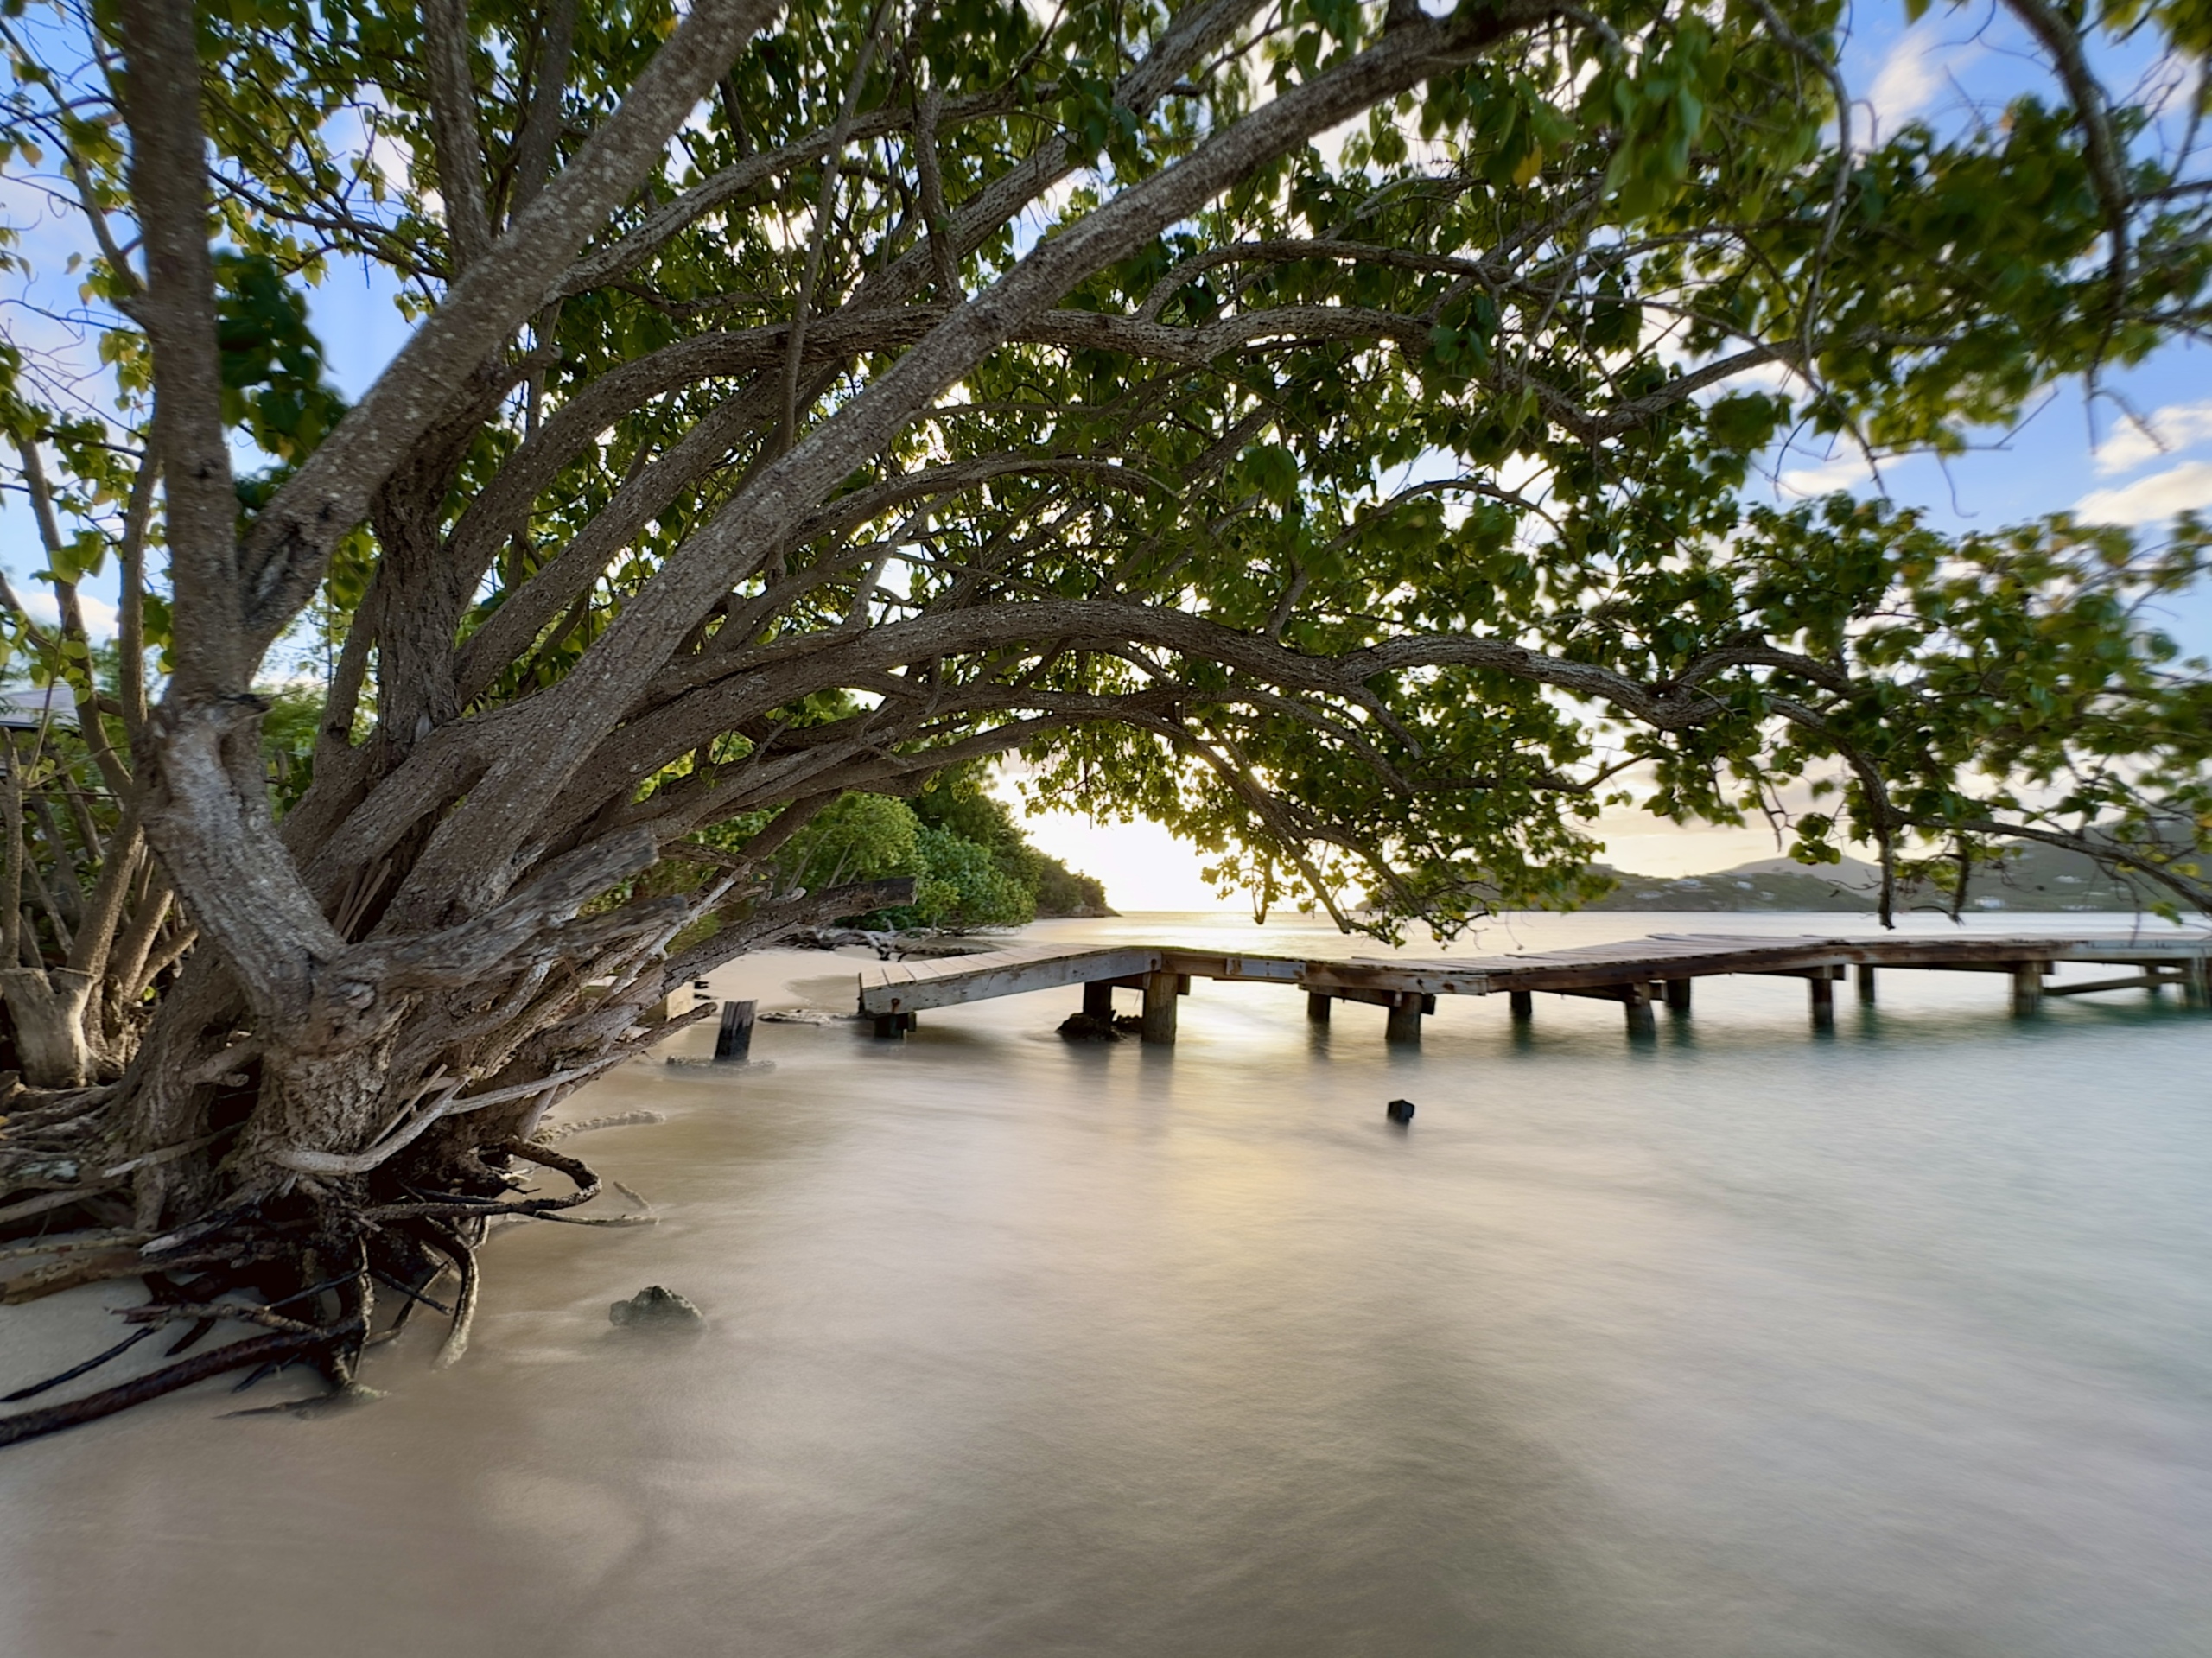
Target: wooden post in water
column 1160, row 989
column 1822, row 989
column 2027, row 987
column 1317, row 1008
column 1678, row 996
column 1523, row 1003
column 1636, row 1002
column 1404, row 1022
column 1867, row 985
column 734, row 1040
column 1098, row 998
column 2196, row 982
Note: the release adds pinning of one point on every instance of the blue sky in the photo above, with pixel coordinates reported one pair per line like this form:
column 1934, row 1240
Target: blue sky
column 1959, row 65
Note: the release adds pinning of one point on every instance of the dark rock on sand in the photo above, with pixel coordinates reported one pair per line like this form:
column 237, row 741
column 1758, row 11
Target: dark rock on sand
column 654, row 1306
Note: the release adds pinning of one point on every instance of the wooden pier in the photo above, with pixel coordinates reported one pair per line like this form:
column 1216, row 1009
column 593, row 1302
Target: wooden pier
column 1639, row 974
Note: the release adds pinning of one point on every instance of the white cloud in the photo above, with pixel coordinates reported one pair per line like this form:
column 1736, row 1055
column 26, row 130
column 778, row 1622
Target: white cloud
column 2153, row 499
column 1524, row 474
column 2178, row 426
column 1844, row 471
column 1911, row 75
column 1763, row 377
column 39, row 605
column 359, row 130
column 38, row 601
column 100, row 616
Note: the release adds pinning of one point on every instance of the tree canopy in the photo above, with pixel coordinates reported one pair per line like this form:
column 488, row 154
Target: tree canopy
column 1331, row 430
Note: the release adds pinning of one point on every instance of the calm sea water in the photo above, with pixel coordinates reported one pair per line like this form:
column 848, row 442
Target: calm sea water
column 1742, row 1342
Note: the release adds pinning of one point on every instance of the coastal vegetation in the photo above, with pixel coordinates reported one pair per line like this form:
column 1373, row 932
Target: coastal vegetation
column 1329, row 429
column 971, row 865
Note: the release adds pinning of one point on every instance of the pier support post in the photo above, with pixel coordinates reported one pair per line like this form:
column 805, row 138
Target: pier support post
column 1098, row 998
column 894, row 1025
column 1822, row 991
column 1160, row 989
column 1635, row 1003
column 1867, row 985
column 1404, row 1023
column 2196, row 982
column 1678, row 996
column 2027, row 987
column 1317, row 1008
column 734, row 1040
column 1523, row 1003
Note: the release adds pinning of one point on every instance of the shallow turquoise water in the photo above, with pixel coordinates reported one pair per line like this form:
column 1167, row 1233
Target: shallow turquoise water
column 1741, row 1342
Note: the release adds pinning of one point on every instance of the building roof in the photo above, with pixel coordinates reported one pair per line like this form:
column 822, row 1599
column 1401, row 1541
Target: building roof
column 27, row 707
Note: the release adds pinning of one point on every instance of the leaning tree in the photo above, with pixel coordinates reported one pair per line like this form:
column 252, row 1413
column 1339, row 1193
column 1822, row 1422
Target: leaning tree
column 1332, row 429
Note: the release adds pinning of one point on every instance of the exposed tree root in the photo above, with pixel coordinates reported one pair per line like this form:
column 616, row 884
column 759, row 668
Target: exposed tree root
column 462, row 1252
column 76, row 1370
column 69, row 1273
column 305, row 1268
column 47, row 1202
column 344, row 1398
column 553, row 1133
column 52, row 1419
column 72, row 1246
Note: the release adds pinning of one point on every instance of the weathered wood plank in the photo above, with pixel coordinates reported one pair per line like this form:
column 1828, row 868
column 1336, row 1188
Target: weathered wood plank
column 2140, row 981
column 1003, row 974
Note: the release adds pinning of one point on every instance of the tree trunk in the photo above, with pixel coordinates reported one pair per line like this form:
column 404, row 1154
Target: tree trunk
column 47, row 1005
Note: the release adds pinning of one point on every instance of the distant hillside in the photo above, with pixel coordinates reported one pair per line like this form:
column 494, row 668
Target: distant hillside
column 2036, row 879
column 1752, row 886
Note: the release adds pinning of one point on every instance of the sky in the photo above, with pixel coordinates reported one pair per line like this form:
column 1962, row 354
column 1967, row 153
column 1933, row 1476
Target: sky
column 2067, row 455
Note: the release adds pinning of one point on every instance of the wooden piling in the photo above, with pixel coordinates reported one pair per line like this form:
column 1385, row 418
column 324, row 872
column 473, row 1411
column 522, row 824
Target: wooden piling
column 734, row 1040
column 1678, row 996
column 1635, row 1004
column 1867, row 985
column 1822, row 992
column 1098, row 998
column 2027, row 987
column 1317, row 1008
column 1523, row 1003
column 1404, row 1022
column 2197, row 983
column 1159, row 992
